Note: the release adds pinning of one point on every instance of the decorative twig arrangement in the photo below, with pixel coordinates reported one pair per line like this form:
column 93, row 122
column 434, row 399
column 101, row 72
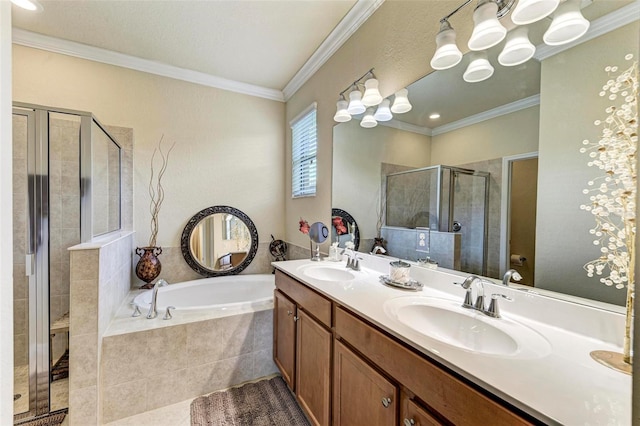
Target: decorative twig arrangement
column 613, row 199
column 156, row 191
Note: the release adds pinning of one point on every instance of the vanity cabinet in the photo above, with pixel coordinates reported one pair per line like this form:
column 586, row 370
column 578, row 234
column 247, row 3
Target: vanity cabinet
column 302, row 346
column 374, row 378
column 361, row 395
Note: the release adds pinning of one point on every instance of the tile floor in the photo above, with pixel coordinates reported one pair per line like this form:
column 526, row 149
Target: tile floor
column 59, row 391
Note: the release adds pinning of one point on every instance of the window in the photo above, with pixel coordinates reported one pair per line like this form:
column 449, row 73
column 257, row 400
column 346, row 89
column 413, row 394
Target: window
column 303, row 153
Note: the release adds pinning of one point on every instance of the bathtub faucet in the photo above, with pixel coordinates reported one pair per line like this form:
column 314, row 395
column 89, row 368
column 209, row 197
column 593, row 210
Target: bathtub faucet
column 153, row 312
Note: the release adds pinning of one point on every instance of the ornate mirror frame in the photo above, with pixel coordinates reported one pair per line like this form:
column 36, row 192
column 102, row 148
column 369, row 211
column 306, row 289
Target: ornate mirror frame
column 346, row 217
column 185, row 241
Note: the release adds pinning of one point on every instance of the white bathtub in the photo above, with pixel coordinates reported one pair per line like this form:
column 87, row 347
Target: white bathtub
column 231, row 291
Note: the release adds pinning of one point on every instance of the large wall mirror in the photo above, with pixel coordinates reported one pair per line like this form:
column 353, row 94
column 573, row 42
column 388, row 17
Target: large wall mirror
column 525, row 127
column 219, row 240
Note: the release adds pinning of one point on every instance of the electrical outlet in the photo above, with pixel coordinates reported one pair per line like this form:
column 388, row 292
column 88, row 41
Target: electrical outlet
column 423, row 240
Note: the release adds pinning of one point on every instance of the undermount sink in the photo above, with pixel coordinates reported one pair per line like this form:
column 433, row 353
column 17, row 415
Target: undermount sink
column 470, row 330
column 328, row 273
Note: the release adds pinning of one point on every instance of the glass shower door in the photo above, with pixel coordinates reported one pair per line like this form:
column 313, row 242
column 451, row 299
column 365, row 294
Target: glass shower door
column 468, row 196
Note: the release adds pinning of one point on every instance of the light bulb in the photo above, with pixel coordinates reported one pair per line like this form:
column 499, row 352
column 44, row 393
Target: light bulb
column 368, row 121
column 342, row 115
column 447, row 53
column 487, row 30
column 371, row 95
column 401, row 102
column 383, row 113
column 355, row 103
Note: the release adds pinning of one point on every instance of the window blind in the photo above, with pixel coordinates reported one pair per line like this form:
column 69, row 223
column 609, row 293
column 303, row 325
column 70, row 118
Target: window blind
column 303, row 153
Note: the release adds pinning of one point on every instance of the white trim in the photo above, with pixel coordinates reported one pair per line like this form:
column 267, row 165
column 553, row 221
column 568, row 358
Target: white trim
column 614, row 20
column 401, row 125
column 488, row 115
column 357, row 16
column 83, row 51
column 505, row 217
column 314, row 105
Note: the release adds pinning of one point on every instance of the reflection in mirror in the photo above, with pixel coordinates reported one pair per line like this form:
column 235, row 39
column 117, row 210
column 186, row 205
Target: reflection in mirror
column 219, row 240
column 344, row 228
column 524, row 127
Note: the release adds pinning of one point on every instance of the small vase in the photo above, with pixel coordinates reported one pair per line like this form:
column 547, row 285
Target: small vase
column 148, row 267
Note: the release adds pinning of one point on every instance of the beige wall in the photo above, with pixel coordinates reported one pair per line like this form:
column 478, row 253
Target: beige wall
column 510, row 134
column 229, row 147
column 563, row 172
column 358, row 154
column 398, row 40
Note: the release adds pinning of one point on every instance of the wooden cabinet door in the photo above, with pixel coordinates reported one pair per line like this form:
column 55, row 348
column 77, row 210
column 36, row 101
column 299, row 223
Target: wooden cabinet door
column 361, row 395
column 284, row 337
column 313, row 369
column 411, row 414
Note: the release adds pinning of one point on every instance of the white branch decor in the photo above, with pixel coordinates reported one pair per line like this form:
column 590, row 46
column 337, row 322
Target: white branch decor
column 156, row 191
column 613, row 195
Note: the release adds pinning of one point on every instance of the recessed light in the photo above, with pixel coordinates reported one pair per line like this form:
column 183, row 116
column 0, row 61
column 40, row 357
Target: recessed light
column 434, row 116
column 32, row 5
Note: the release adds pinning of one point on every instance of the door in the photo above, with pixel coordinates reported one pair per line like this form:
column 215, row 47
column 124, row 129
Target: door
column 284, row 333
column 361, row 395
column 313, row 369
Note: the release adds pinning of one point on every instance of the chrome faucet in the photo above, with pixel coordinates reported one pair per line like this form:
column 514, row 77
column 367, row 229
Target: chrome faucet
column 353, row 262
column 153, row 311
column 511, row 273
column 467, row 284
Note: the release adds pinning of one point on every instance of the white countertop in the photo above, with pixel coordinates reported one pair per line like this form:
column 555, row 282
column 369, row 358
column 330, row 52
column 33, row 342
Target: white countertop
column 564, row 386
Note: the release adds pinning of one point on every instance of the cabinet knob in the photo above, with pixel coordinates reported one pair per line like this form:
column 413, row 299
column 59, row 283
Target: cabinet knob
column 296, row 318
column 409, row 422
column 386, row 402
column 289, row 313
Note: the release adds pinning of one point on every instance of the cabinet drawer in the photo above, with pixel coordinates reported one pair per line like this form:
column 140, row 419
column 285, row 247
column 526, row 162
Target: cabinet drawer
column 411, row 414
column 453, row 399
column 306, row 298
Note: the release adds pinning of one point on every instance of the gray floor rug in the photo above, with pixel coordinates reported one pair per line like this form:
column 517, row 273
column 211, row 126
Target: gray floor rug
column 263, row 403
column 51, row 419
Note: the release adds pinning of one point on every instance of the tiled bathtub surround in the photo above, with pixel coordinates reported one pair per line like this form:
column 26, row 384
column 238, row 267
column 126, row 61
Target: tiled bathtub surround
column 100, row 281
column 153, row 368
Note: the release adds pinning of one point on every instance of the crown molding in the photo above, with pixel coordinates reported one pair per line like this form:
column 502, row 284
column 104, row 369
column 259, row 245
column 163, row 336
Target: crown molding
column 357, row 16
column 401, row 125
column 614, row 20
column 83, row 51
column 487, row 115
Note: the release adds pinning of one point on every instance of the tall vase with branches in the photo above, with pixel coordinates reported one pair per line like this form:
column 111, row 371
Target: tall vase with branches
column 149, row 266
column 613, row 197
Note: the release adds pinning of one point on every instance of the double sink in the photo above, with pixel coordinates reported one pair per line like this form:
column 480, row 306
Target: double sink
column 445, row 320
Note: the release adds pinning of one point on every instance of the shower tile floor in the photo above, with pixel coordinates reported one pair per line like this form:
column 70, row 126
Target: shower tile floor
column 59, row 391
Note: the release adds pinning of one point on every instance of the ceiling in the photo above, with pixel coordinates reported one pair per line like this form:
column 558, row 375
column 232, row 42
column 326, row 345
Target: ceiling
column 262, row 43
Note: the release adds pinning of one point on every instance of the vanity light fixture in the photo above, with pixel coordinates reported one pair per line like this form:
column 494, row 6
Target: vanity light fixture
column 487, row 30
column 368, row 121
column 359, row 103
column 479, row 68
column 567, row 25
column 401, row 102
column 32, row 5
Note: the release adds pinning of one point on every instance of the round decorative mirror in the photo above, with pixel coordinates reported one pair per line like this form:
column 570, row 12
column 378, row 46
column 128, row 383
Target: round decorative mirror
column 219, row 240
column 344, row 228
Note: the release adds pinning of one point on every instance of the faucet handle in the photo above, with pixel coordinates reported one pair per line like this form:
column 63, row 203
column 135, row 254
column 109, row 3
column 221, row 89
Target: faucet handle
column 167, row 314
column 493, row 310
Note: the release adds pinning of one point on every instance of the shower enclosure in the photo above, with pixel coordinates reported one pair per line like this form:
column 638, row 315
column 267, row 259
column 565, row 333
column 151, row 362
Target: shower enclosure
column 66, row 189
column 445, row 199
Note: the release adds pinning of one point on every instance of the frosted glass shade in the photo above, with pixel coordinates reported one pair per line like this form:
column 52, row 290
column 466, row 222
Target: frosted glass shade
column 371, row 95
column 383, row 113
column 479, row 68
column 368, row 121
column 518, row 49
column 355, row 103
column 447, row 53
column 401, row 102
column 529, row 11
column 487, row 30
column 342, row 115
column 568, row 24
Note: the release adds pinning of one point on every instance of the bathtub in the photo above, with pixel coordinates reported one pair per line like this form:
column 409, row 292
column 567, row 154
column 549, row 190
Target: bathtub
column 226, row 292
